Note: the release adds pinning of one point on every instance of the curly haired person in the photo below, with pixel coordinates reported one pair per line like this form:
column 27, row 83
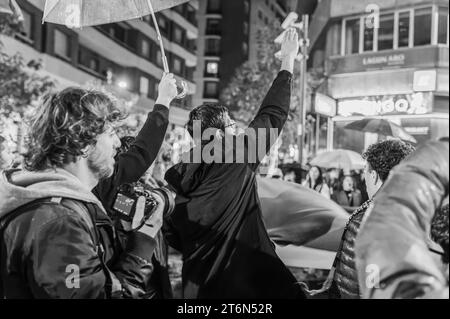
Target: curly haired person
column 381, row 158
column 57, row 239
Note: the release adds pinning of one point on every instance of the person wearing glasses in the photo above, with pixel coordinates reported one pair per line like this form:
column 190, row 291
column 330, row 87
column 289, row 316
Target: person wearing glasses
column 217, row 223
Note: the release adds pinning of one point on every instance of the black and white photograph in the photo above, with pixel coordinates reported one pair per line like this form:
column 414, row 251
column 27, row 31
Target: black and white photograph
column 209, row 151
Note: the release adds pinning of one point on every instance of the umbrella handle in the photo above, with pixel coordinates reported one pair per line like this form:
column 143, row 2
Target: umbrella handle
column 184, row 87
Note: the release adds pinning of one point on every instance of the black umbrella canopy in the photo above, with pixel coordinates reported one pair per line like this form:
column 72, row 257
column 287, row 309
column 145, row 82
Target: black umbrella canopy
column 382, row 127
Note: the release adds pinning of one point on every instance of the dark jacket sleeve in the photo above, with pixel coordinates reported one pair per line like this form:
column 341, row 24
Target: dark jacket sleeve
column 271, row 116
column 393, row 244
column 131, row 165
column 64, row 263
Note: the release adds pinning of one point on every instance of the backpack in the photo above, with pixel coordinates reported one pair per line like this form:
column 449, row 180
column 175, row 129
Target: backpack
column 87, row 212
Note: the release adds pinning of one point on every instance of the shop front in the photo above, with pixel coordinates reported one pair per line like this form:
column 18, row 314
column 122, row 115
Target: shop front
column 408, row 87
column 415, row 112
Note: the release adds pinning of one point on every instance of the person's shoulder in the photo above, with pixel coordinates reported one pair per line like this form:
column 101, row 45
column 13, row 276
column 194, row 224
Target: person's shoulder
column 35, row 216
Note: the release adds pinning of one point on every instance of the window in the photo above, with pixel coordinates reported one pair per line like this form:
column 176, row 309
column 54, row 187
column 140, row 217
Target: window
column 153, row 88
column 191, row 14
column 94, row 64
column 179, row 9
column 144, row 86
column 213, row 6
column 422, row 26
column 119, row 33
column 352, row 36
column 177, row 65
column 213, row 26
column 158, row 58
column 386, row 32
column 368, row 36
column 27, row 25
column 211, row 90
column 178, row 35
column 61, row 44
column 211, row 68
column 403, row 29
column 145, row 49
column 212, row 47
column 163, row 24
column 443, row 25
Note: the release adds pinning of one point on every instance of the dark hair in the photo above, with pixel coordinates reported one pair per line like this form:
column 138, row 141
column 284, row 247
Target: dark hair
column 65, row 124
column 209, row 115
column 384, row 156
column 319, row 180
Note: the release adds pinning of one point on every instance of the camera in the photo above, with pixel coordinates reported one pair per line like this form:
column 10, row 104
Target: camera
column 127, row 197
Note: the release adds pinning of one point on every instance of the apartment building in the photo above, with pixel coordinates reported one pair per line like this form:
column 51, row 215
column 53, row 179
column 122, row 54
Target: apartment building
column 123, row 55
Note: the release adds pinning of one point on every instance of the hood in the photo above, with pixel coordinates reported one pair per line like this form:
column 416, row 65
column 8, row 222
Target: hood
column 18, row 188
column 184, row 177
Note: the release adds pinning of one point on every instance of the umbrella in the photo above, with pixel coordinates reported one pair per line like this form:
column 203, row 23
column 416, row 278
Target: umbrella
column 306, row 227
column 11, row 7
column 342, row 159
column 382, row 127
column 82, row 13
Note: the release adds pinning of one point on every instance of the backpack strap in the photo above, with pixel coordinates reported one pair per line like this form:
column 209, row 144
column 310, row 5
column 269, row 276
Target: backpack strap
column 87, row 212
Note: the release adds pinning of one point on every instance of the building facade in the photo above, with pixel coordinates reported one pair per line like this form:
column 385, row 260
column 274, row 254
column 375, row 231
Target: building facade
column 227, row 32
column 388, row 60
column 124, row 56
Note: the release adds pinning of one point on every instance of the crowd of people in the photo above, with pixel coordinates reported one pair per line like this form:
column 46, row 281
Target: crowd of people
column 81, row 217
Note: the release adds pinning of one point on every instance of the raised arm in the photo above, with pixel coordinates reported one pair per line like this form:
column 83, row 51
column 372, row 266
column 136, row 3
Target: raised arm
column 131, row 165
column 274, row 109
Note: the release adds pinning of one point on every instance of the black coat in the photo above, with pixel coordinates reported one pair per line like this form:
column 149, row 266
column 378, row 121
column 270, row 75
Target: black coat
column 218, row 226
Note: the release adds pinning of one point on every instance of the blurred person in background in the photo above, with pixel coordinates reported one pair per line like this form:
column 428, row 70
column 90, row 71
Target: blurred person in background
column 348, row 197
column 315, row 181
column 332, row 178
column 290, row 176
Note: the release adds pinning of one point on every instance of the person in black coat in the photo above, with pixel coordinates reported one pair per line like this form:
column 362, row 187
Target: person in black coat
column 217, row 223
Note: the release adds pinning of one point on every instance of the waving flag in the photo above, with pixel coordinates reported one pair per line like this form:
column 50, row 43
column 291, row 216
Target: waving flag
column 306, row 226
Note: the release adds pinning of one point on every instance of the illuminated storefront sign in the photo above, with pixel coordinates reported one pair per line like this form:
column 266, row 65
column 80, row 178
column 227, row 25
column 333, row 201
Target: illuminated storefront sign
column 324, row 105
column 413, row 104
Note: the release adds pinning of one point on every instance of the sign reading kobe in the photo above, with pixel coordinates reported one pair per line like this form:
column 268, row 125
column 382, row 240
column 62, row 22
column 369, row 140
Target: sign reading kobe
column 415, row 104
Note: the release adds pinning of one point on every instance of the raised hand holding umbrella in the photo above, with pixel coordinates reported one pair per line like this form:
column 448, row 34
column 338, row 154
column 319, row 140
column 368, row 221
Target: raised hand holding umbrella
column 82, row 13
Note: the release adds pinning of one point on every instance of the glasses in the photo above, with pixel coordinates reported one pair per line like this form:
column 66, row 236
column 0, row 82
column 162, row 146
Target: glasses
column 232, row 124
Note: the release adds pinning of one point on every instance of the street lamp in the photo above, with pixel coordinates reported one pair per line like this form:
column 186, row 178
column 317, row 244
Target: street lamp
column 122, row 84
